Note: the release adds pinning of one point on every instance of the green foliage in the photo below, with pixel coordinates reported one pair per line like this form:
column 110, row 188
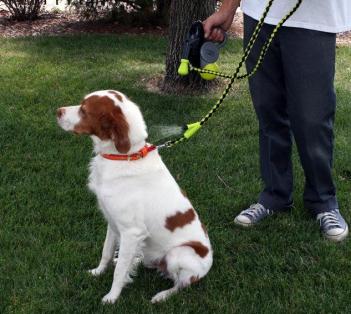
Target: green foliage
column 51, row 231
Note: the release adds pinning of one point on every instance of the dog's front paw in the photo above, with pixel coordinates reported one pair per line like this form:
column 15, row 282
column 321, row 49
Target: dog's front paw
column 97, row 271
column 109, row 298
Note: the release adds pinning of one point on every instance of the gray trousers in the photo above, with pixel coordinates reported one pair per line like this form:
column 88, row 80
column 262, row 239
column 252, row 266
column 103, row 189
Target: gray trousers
column 293, row 96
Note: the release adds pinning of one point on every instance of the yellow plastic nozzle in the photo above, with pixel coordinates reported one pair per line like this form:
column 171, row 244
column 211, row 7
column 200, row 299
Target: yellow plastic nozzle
column 192, row 129
column 183, row 67
column 212, row 67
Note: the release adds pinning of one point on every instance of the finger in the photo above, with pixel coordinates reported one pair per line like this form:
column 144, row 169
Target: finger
column 221, row 35
column 213, row 35
column 207, row 28
column 217, row 35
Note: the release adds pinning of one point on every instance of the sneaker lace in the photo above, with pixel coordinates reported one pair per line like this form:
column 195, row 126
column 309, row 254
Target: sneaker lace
column 256, row 210
column 330, row 220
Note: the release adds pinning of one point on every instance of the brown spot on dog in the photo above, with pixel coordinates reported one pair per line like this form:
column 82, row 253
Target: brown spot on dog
column 117, row 95
column 100, row 117
column 179, row 220
column 198, row 247
column 204, row 229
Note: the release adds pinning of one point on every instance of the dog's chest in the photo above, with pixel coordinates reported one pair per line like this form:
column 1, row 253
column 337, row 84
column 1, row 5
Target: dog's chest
column 102, row 179
column 106, row 188
column 109, row 184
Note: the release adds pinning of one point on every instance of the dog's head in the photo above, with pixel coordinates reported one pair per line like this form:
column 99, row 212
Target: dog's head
column 109, row 117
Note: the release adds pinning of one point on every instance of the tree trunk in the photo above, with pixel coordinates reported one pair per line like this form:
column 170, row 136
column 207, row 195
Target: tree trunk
column 182, row 14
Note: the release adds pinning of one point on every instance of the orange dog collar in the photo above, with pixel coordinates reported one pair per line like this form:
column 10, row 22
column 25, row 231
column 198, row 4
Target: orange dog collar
column 142, row 153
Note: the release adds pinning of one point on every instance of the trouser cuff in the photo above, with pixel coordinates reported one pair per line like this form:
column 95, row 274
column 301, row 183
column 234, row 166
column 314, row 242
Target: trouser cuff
column 317, row 207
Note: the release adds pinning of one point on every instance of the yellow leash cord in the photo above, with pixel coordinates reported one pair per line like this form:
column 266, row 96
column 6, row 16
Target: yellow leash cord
column 191, row 129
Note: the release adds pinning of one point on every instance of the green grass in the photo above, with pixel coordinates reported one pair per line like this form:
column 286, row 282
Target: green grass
column 51, row 231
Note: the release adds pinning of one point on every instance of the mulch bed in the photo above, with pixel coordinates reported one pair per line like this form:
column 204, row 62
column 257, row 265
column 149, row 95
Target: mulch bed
column 58, row 23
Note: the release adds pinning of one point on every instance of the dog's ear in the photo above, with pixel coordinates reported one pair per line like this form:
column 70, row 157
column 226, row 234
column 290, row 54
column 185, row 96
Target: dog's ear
column 119, row 129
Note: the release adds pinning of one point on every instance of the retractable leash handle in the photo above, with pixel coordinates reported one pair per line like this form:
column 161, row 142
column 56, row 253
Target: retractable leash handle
column 198, row 52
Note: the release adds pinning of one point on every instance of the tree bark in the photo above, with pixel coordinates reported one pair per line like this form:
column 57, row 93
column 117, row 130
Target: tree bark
column 182, row 14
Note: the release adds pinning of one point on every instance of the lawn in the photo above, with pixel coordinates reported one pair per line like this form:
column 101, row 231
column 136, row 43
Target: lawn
column 51, row 231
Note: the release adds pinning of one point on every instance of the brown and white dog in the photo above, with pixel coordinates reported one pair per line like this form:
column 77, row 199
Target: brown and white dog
column 147, row 214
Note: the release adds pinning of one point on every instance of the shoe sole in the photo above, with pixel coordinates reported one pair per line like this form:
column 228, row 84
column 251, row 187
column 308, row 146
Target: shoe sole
column 339, row 237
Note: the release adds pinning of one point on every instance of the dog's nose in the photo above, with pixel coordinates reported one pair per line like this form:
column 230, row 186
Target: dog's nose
column 60, row 112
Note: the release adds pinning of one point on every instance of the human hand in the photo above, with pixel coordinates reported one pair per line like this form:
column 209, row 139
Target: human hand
column 218, row 23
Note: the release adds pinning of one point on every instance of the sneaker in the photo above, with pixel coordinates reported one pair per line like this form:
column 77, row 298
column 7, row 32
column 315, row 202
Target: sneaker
column 251, row 216
column 333, row 226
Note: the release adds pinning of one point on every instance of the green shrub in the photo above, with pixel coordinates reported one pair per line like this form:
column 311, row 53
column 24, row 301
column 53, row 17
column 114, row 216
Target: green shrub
column 22, row 10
